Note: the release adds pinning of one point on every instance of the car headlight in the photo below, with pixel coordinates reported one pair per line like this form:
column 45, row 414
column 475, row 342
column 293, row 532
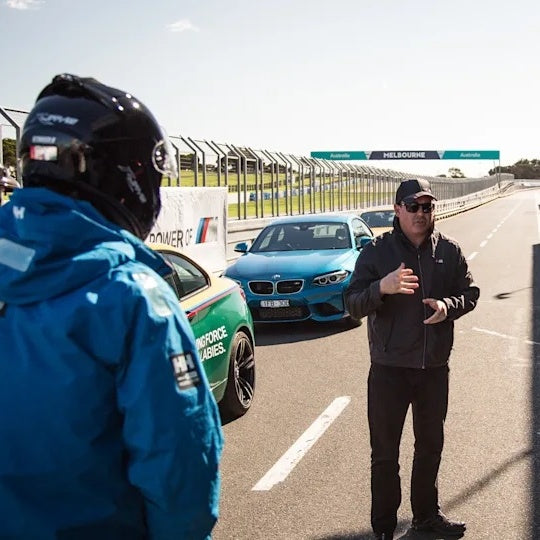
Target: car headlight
column 241, row 287
column 331, row 278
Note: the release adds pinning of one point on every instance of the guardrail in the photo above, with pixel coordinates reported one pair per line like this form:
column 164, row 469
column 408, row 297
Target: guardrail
column 247, row 230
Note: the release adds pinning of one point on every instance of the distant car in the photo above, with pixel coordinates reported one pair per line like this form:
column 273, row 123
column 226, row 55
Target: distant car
column 223, row 328
column 379, row 221
column 298, row 267
column 265, row 196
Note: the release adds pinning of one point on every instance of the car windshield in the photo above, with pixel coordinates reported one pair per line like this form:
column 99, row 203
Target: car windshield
column 378, row 219
column 303, row 236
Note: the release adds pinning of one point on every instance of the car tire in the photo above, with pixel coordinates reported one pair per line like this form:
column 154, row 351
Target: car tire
column 240, row 387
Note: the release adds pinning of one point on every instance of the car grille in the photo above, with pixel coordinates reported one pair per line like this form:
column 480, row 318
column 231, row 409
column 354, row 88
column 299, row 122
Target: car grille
column 261, row 287
column 283, row 313
column 326, row 309
column 290, row 286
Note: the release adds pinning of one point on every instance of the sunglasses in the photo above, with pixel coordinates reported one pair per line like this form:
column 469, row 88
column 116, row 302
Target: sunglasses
column 414, row 206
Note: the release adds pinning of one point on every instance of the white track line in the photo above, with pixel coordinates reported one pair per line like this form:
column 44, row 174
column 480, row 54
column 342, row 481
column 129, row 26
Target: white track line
column 288, row 461
column 504, row 336
column 490, row 235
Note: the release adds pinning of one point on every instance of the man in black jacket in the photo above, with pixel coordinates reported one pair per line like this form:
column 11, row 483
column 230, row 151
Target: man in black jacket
column 412, row 283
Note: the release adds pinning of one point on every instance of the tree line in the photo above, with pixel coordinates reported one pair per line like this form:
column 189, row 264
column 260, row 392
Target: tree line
column 8, row 151
column 524, row 168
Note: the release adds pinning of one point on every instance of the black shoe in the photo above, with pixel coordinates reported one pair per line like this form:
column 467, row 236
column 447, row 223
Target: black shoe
column 384, row 536
column 440, row 524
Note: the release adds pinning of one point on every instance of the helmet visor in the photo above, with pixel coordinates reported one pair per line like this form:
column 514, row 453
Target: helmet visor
column 164, row 158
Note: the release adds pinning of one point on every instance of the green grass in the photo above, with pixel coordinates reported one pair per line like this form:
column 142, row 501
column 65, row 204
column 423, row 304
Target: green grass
column 187, row 179
column 295, row 204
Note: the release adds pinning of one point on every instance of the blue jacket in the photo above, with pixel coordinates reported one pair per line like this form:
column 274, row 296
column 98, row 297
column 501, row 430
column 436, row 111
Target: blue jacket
column 108, row 429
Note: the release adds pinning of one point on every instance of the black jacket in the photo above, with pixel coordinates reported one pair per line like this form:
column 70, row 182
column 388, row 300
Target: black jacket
column 396, row 332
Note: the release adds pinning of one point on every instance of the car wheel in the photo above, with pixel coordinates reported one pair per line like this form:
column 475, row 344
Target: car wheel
column 241, row 380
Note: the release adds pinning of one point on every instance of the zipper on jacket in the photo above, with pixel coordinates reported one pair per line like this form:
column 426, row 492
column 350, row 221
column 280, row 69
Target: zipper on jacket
column 425, row 310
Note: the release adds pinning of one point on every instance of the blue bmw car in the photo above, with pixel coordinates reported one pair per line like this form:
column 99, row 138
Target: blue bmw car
column 298, row 266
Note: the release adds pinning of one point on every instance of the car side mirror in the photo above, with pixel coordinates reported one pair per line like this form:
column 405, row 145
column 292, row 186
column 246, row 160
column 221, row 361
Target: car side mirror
column 242, row 247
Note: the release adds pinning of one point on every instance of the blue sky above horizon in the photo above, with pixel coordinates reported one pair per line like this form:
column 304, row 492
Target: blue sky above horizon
column 296, row 76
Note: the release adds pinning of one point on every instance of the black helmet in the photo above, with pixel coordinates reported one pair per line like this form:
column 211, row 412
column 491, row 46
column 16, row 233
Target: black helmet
column 100, row 144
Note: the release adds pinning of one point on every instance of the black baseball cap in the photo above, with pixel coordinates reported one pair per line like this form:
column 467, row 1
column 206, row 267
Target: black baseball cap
column 412, row 189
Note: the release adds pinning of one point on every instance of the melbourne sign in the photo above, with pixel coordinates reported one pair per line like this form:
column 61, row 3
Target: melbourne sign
column 406, row 154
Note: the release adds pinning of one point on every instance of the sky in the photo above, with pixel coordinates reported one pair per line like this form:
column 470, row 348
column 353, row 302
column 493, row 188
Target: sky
column 297, row 76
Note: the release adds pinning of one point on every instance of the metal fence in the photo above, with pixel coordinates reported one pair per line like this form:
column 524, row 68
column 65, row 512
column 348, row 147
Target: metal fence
column 264, row 183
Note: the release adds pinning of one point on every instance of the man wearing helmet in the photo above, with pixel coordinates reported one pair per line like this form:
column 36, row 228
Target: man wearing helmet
column 109, row 428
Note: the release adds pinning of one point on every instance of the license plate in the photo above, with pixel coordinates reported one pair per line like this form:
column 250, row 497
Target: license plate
column 274, row 303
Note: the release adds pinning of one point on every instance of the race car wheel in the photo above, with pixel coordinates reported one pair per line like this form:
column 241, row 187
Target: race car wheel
column 241, row 380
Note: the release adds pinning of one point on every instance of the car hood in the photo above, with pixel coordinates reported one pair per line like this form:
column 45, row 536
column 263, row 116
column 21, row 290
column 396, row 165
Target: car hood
column 291, row 264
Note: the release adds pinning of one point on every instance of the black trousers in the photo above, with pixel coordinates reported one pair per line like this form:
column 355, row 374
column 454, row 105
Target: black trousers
column 390, row 392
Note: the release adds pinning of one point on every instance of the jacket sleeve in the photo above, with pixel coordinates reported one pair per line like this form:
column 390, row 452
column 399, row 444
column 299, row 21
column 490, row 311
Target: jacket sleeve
column 466, row 294
column 172, row 429
column 363, row 295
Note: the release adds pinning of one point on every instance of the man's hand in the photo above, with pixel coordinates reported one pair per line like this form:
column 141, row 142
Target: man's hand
column 400, row 281
column 441, row 311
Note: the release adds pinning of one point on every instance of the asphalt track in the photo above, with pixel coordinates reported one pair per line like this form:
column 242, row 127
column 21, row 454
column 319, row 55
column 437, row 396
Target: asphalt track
column 297, row 465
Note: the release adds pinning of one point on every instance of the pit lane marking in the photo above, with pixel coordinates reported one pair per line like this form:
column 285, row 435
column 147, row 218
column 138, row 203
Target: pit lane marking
column 288, row 461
